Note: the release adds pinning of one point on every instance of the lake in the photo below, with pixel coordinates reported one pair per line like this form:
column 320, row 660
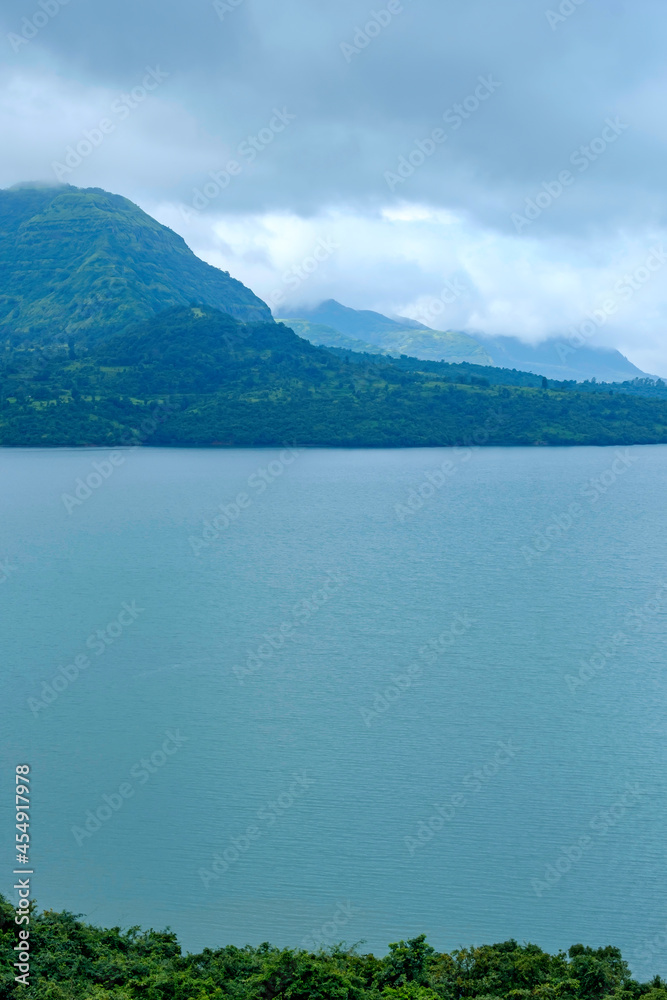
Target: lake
column 306, row 697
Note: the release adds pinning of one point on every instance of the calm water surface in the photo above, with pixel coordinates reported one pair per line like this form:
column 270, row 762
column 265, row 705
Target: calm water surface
column 383, row 719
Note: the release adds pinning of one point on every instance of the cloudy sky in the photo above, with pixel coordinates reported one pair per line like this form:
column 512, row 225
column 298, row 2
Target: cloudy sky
column 474, row 164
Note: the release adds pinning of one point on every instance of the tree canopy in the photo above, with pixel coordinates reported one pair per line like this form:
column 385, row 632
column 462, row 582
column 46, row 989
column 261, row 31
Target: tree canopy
column 72, row 960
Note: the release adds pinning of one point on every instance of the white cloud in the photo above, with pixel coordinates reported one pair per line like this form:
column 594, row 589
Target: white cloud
column 323, row 176
column 398, row 260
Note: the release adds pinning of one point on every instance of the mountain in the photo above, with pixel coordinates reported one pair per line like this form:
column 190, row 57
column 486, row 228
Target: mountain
column 553, row 358
column 398, row 336
column 82, row 262
column 558, row 360
column 111, row 325
column 193, row 376
column 326, row 336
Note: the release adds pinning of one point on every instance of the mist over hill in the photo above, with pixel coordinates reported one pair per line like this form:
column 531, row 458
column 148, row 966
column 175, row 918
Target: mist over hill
column 354, row 327
column 558, row 359
column 336, row 325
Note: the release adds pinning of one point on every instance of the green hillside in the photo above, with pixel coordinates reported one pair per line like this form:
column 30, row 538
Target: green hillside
column 77, row 262
column 437, row 345
column 464, row 371
column 326, row 336
column 198, row 377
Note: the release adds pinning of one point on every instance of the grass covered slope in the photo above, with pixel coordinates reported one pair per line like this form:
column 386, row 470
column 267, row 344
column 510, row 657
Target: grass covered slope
column 77, row 262
column 71, row 960
column 206, row 379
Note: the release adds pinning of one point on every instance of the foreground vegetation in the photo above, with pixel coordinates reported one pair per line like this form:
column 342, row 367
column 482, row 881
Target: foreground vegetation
column 72, row 960
column 196, row 377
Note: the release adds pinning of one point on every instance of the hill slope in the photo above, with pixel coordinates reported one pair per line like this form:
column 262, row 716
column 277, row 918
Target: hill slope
column 82, row 262
column 326, row 336
column 198, row 377
column 557, row 359
column 395, row 336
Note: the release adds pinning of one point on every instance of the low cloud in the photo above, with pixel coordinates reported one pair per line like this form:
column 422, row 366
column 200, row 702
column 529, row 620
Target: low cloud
column 354, row 119
column 399, row 261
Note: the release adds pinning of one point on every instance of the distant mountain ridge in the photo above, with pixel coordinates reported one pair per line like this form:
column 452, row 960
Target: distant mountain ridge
column 556, row 359
column 325, row 336
column 395, row 336
column 352, row 322
column 83, row 262
column 335, row 325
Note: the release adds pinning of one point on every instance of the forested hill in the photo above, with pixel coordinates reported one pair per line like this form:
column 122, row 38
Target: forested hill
column 71, row 960
column 196, row 376
column 80, row 262
column 654, row 388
